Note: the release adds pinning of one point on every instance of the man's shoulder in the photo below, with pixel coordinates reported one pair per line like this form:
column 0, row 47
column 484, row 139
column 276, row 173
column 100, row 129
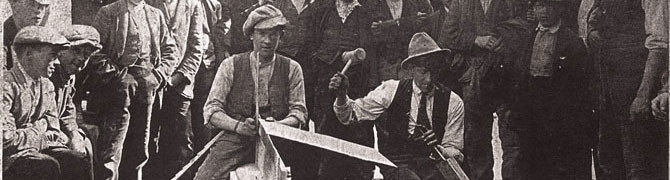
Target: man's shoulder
column 455, row 99
column 113, row 7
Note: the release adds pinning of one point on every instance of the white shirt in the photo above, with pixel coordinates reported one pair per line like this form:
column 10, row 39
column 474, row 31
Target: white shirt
column 377, row 101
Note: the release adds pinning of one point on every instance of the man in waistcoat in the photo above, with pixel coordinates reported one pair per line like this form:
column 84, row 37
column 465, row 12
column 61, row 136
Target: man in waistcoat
column 140, row 55
column 252, row 86
column 422, row 113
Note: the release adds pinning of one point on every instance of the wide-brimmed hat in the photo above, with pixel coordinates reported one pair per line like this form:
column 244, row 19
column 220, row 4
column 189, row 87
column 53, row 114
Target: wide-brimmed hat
column 264, row 17
column 423, row 45
column 82, row 34
column 40, row 35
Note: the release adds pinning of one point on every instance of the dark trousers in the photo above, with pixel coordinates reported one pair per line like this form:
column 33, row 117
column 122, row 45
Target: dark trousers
column 125, row 116
column 175, row 144
column 555, row 125
column 57, row 163
column 202, row 85
column 627, row 149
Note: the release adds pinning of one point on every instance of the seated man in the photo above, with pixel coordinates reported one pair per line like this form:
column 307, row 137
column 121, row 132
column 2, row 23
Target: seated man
column 422, row 113
column 84, row 41
column 274, row 81
column 33, row 147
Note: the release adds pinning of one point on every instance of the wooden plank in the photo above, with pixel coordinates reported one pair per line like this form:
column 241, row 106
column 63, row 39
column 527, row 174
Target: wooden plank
column 326, row 142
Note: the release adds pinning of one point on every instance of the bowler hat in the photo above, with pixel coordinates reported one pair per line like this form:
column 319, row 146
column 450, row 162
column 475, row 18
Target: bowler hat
column 81, row 34
column 423, row 45
column 264, row 17
column 40, row 35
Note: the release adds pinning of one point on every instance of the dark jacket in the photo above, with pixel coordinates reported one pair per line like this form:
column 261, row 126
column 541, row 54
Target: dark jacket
column 112, row 23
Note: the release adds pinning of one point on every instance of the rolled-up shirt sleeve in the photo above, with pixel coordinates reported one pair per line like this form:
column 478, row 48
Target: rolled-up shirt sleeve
column 656, row 24
column 369, row 107
column 296, row 101
column 214, row 107
column 452, row 140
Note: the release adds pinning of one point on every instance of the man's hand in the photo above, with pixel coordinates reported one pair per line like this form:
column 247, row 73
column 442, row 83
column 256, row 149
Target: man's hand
column 339, row 83
column 177, row 79
column 77, row 143
column 530, row 15
column 495, row 45
column 659, row 107
column 451, row 153
column 640, row 109
column 485, row 41
column 376, row 28
column 428, row 137
column 248, row 127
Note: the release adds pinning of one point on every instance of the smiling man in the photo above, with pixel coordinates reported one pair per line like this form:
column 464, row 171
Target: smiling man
column 32, row 147
column 248, row 85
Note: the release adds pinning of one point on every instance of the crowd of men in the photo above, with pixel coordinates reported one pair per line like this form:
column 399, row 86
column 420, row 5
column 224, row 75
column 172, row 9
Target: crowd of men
column 147, row 84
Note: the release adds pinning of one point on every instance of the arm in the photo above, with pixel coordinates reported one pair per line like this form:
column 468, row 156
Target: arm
column 169, row 53
column 452, row 142
column 102, row 23
column 195, row 47
column 27, row 136
column 367, row 108
column 215, row 115
column 297, row 109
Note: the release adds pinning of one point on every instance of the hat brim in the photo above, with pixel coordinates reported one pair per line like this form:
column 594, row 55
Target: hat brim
column 446, row 53
column 85, row 42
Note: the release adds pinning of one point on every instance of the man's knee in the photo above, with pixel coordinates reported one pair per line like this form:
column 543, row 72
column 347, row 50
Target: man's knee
column 33, row 166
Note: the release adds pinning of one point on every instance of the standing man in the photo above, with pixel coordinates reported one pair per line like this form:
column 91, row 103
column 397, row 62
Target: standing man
column 550, row 104
column 254, row 86
column 422, row 113
column 24, row 13
column 172, row 124
column 394, row 23
column 139, row 47
column 470, row 33
column 337, row 26
column 33, row 145
column 616, row 36
column 84, row 41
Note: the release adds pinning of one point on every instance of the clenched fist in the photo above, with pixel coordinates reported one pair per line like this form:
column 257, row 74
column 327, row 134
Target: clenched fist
column 339, row 84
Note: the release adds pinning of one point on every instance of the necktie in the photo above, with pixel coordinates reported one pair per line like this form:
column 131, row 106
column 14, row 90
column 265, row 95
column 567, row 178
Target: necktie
column 422, row 116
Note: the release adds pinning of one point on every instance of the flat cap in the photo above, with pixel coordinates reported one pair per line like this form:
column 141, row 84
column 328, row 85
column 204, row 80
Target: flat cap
column 82, row 34
column 40, row 35
column 264, row 17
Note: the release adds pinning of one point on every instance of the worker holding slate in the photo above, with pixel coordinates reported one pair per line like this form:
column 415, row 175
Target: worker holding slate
column 424, row 116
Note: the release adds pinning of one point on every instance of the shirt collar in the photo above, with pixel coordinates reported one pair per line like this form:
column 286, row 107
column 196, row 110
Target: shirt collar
column 552, row 29
column 344, row 9
column 133, row 6
column 21, row 74
column 416, row 90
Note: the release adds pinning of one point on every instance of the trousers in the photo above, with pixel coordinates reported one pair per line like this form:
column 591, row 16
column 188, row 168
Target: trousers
column 125, row 115
column 59, row 163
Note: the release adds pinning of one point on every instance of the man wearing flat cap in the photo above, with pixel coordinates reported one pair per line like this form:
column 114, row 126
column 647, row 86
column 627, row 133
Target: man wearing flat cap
column 422, row 113
column 33, row 147
column 259, row 85
column 24, row 13
column 84, row 41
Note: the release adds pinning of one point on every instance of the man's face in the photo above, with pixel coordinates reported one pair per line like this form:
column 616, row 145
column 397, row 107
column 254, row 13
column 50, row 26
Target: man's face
column 75, row 58
column 40, row 61
column 266, row 41
column 422, row 78
column 546, row 13
column 28, row 12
